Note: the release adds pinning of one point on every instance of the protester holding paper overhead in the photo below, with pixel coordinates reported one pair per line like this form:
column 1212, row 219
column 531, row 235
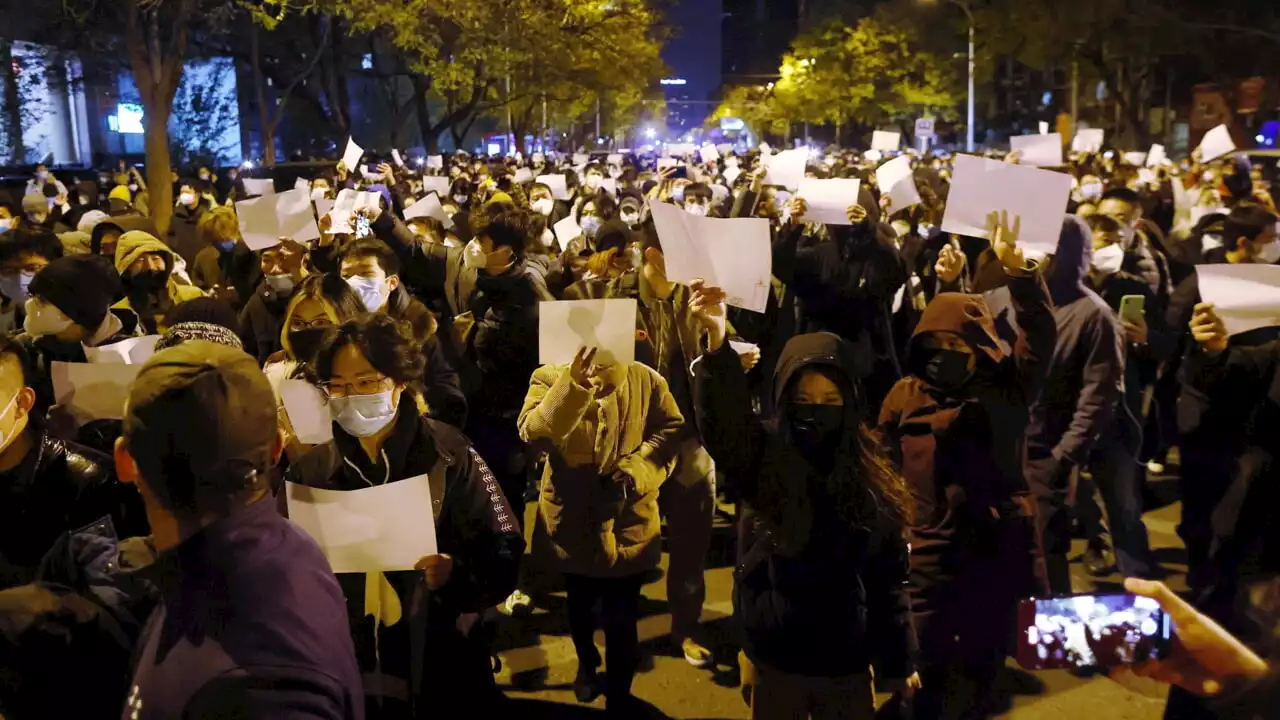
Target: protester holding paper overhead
column 611, row 434
column 250, row 617
column 822, row 555
column 146, row 267
column 416, row 637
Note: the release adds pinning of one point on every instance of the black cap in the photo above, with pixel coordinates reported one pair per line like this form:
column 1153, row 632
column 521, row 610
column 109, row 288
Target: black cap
column 83, row 287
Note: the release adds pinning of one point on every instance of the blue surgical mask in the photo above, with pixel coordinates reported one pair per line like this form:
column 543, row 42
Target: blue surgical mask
column 225, row 245
column 15, row 287
column 372, row 292
column 590, row 225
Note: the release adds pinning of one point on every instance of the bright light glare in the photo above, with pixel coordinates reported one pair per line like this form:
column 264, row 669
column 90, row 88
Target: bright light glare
column 650, row 133
column 247, row 165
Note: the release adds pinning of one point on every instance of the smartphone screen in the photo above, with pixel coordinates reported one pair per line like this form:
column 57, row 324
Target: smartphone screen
column 362, row 227
column 1091, row 631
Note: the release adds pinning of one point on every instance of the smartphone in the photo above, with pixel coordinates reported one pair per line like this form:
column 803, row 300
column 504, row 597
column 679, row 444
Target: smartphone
column 681, row 172
column 362, row 227
column 1084, row 631
column 1132, row 308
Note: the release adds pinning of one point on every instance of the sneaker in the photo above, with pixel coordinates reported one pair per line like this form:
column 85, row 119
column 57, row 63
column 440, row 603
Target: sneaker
column 517, row 604
column 1098, row 562
column 1155, row 468
column 586, row 686
column 696, row 655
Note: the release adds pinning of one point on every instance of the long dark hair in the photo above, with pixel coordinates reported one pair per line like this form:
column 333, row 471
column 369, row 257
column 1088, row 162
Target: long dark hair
column 864, row 485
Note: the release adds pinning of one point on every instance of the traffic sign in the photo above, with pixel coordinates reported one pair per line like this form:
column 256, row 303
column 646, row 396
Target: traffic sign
column 924, row 127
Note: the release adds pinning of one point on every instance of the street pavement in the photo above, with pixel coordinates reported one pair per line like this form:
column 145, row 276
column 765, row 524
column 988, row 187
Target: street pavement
column 539, row 661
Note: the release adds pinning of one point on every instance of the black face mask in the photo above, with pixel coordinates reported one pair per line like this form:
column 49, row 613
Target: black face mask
column 816, row 429
column 948, row 369
column 149, row 281
column 306, row 343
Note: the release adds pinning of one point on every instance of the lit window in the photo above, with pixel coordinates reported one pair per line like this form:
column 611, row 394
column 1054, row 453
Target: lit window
column 366, row 62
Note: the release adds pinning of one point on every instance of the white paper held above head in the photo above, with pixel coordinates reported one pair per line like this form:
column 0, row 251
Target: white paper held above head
column 1246, row 296
column 566, row 325
column 523, row 175
column 733, row 254
column 709, row 153
column 828, row 201
column 1156, row 155
column 559, row 186
column 428, row 206
column 1136, row 159
column 1216, row 143
column 981, row 186
column 264, row 220
column 302, row 184
column 898, row 180
column 376, row 529
column 1044, row 128
column 1038, row 150
column 395, row 155
column 731, row 174
column 352, row 154
column 259, row 187
column 614, row 159
column 886, row 141
column 786, row 169
column 308, row 411
column 436, row 184
column 435, row 162
column 1088, row 140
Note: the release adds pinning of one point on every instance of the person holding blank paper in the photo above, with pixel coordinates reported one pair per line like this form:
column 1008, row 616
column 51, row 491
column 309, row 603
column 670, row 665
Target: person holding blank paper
column 611, row 433
column 367, row 368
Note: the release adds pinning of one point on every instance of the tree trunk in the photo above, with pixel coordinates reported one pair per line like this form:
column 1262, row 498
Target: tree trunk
column 266, row 127
column 12, row 117
column 159, row 162
column 430, row 133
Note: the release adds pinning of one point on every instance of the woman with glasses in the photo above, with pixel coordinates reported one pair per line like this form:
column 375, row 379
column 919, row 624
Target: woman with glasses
column 407, row 625
column 319, row 302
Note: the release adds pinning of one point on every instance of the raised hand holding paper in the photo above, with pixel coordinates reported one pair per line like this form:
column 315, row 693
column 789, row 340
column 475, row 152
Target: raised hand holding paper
column 566, row 325
column 709, row 153
column 1216, row 143
column 732, row 254
column 787, row 168
column 898, row 180
column 428, row 206
column 1136, row 159
column 351, row 156
column 376, row 529
column 263, row 221
column 1246, row 296
column 886, row 141
column 1038, row 150
column 395, row 155
column 829, row 200
column 980, row 186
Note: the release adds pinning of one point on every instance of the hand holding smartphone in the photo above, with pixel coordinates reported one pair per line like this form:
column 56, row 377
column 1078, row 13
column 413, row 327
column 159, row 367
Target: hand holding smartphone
column 1083, row 631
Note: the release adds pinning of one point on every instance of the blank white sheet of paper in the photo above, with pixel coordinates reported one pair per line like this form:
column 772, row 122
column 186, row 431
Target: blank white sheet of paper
column 264, row 220
column 1088, row 140
column 351, row 156
column 428, row 206
column 1156, row 155
column 981, row 186
column 435, row 162
column 566, row 231
column 1216, row 143
column 733, row 254
column 308, row 411
column 1038, row 150
column 566, row 325
column 264, row 188
column 377, row 529
column 829, row 200
column 395, row 155
column 134, row 351
column 885, row 140
column 786, row 169
column 1246, row 296
column 93, row 391
column 898, row 180
column 559, row 186
column 436, row 184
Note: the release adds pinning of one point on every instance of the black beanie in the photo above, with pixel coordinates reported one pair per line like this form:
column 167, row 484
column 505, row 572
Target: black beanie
column 81, row 286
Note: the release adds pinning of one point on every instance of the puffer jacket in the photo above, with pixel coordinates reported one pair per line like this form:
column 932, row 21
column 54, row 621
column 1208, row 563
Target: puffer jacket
column 595, row 526
column 818, row 592
column 58, row 487
column 151, row 310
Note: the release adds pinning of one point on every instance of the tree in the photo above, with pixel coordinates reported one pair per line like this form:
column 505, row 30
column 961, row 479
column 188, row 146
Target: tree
column 205, row 108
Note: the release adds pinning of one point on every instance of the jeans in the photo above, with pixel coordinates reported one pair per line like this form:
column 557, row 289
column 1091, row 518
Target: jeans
column 688, row 500
column 1116, row 475
column 619, row 599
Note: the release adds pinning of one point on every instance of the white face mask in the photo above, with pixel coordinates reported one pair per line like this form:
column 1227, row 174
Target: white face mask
column 1268, row 254
column 317, row 194
column 204, row 176
column 594, row 181
column 1109, row 259
column 544, row 206
column 186, row 199
column 630, row 218
column 133, row 187
column 1091, row 190
column 44, row 319
column 6, row 438
column 363, row 415
column 373, row 293
column 698, row 210
column 460, row 199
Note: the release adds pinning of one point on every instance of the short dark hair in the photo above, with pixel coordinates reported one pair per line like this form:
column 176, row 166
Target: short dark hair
column 1123, row 194
column 38, row 241
column 461, row 186
column 1247, row 220
column 606, row 207
column 9, row 346
column 505, row 227
column 593, row 167
column 698, row 190
column 387, row 345
column 374, row 248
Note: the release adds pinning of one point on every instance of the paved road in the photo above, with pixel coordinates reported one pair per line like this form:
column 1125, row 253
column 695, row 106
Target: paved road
column 539, row 662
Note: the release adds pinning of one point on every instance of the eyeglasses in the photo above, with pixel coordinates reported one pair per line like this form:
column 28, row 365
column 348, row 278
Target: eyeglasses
column 363, row 386
column 300, row 324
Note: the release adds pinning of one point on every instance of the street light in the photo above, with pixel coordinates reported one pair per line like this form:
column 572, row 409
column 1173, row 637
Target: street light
column 964, row 5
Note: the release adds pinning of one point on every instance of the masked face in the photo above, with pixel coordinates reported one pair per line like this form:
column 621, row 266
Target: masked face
column 204, row 175
column 15, row 286
column 150, row 281
column 697, row 208
column 373, row 292
column 951, row 363
column 815, row 416
column 362, row 400
column 630, row 216
column 590, row 225
column 44, row 319
column 594, row 181
column 1109, row 259
column 461, row 198
column 544, row 206
column 281, row 284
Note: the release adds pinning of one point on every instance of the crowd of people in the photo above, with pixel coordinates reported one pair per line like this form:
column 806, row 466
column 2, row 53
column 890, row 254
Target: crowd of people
column 911, row 433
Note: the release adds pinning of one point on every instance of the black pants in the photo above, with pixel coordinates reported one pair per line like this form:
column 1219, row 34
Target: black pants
column 620, row 604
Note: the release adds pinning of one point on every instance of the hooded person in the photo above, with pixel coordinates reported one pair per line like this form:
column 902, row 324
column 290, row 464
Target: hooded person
column 146, row 268
column 819, row 586
column 956, row 427
column 1080, row 398
column 35, row 211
